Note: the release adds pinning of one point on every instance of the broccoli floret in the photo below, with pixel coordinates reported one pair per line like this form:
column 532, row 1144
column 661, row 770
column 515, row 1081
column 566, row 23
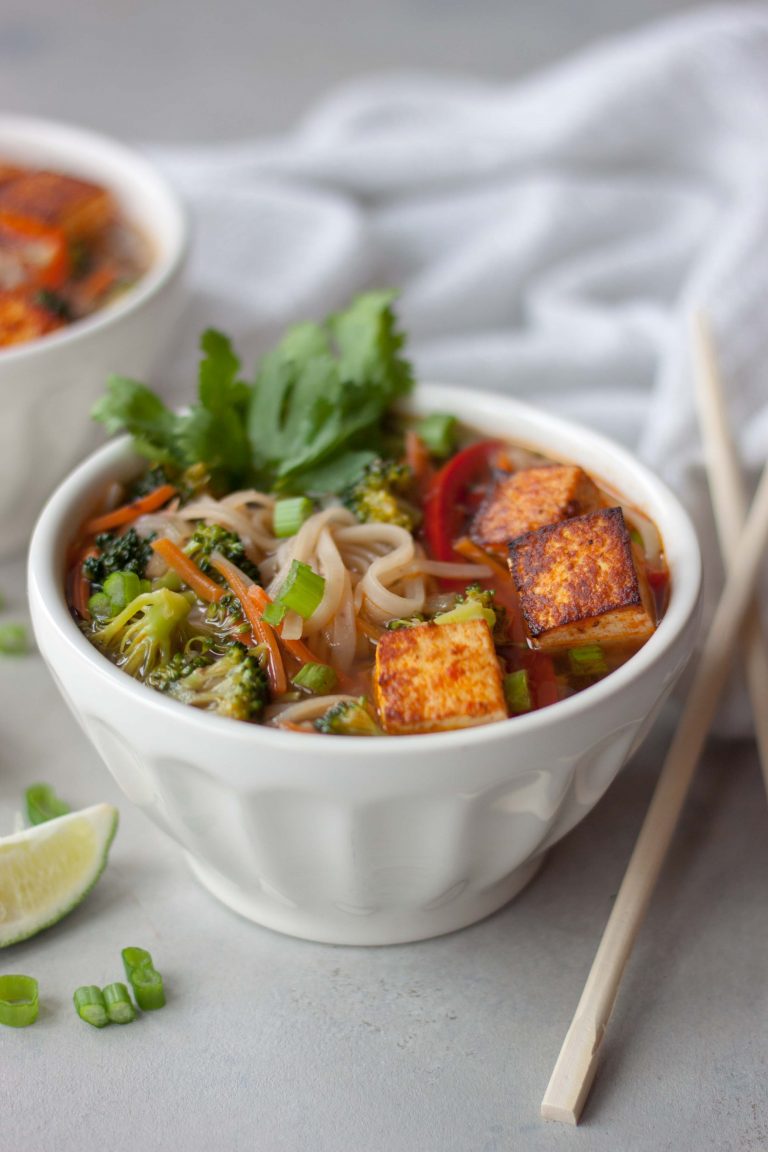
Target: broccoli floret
column 382, row 495
column 196, row 654
column 405, row 622
column 126, row 553
column 147, row 632
column 154, row 477
column 208, row 538
column 235, row 685
column 348, row 718
column 478, row 603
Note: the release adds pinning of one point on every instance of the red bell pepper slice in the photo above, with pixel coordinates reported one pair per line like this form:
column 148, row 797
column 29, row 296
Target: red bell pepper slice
column 445, row 506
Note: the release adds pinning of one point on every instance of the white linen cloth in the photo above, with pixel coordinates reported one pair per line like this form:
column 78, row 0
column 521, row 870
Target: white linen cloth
column 547, row 237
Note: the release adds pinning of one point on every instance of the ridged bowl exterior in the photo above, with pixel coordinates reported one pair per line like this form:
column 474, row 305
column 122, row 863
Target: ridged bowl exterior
column 373, row 841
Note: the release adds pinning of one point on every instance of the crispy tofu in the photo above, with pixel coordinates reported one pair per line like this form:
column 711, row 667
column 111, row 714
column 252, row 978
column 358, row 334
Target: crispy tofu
column 437, row 677
column 21, row 320
column 9, row 172
column 578, row 583
column 82, row 210
column 530, row 499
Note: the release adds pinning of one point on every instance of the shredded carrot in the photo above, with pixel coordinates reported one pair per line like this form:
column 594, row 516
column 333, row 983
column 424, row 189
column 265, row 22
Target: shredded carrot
column 369, row 630
column 472, row 551
column 127, row 513
column 263, row 633
column 418, row 460
column 81, row 585
column 186, row 568
column 297, row 648
column 97, row 283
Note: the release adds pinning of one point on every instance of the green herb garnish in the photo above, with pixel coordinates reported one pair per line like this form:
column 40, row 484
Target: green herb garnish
column 310, row 422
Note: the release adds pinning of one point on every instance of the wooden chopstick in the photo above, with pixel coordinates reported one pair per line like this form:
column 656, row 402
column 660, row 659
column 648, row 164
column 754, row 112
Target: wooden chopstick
column 574, row 1071
column 729, row 501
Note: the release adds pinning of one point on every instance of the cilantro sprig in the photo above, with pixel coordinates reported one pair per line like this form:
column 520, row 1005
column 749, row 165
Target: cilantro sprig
column 310, row 421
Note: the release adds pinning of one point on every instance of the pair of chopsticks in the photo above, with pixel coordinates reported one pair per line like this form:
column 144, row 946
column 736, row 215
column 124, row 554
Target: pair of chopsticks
column 743, row 540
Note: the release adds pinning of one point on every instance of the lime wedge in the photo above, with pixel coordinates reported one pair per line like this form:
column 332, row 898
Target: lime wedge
column 45, row 871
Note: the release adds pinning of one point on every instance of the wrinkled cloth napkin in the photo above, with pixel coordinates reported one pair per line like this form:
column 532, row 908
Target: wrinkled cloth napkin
column 548, row 238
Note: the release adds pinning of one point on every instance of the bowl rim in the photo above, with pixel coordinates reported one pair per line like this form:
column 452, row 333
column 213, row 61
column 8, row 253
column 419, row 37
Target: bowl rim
column 47, row 593
column 164, row 266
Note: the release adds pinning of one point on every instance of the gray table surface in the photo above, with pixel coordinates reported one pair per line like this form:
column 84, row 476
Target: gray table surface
column 446, row 1046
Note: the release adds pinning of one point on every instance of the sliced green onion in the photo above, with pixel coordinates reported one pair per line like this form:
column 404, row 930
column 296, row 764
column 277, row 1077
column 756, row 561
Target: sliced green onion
column 316, row 678
column 467, row 610
column 13, row 640
column 43, row 804
column 146, row 982
column 588, row 661
column 18, row 1001
column 121, row 588
column 636, row 538
column 438, row 432
column 517, row 690
column 100, row 606
column 274, row 613
column 120, row 1008
column 90, row 1006
column 303, row 589
column 289, row 515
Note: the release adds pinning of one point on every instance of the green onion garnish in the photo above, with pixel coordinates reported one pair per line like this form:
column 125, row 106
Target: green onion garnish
column 13, row 640
column 100, row 606
column 274, row 613
column 467, row 610
column 316, row 678
column 43, row 804
column 146, row 982
column 517, row 690
column 289, row 515
column 90, row 1006
column 120, row 1008
column 303, row 589
column 121, row 588
column 636, row 538
column 588, row 661
column 438, row 432
column 18, row 1001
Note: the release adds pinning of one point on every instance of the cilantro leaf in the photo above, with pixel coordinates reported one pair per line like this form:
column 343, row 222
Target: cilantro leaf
column 321, row 395
column 311, row 421
column 128, row 406
column 213, row 432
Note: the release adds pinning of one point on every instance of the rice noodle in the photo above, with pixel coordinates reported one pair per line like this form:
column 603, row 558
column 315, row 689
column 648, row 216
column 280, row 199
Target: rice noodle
column 305, row 710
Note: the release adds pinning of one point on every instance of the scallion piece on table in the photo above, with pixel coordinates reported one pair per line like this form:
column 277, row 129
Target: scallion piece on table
column 274, row 613
column 18, row 1001
column 303, row 589
column 438, row 433
column 146, row 982
column 290, row 514
column 43, row 804
column 120, row 1007
column 90, row 1005
column 13, row 640
column 316, row 678
column 588, row 661
column 517, row 690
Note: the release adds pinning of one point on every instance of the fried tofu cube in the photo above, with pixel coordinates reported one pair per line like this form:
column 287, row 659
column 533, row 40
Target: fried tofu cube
column 21, row 320
column 530, row 499
column 578, row 583
column 82, row 210
column 437, row 677
column 9, row 172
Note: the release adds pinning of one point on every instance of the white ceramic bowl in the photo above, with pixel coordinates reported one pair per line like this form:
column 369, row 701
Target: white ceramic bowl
column 48, row 386
column 370, row 841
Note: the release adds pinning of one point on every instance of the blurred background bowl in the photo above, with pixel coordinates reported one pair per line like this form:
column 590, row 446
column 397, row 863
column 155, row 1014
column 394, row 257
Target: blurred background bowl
column 370, row 841
column 47, row 386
